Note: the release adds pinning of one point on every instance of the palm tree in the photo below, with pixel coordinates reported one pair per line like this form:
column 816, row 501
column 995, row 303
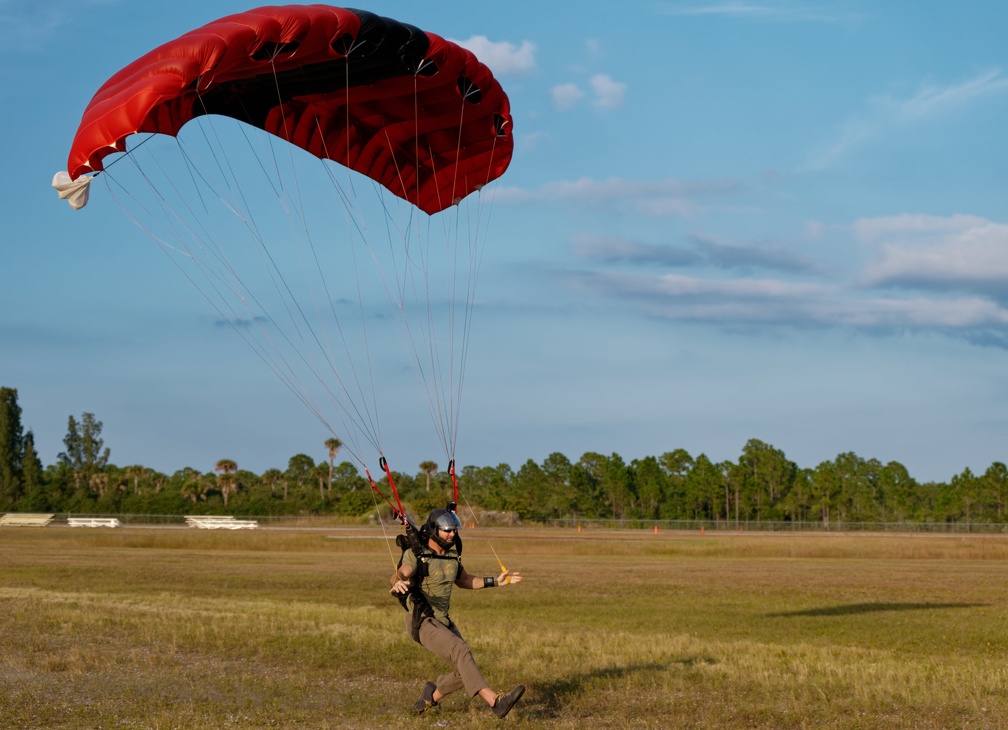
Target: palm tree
column 334, row 445
column 193, row 490
column 227, row 481
column 319, row 472
column 430, row 469
column 99, row 483
column 271, row 477
column 135, row 473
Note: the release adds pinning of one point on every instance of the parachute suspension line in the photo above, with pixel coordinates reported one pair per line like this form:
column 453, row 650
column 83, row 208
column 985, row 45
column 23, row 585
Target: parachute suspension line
column 358, row 223
column 326, row 348
column 438, row 380
column 472, row 275
column 229, row 229
column 275, row 274
column 287, row 296
column 189, row 253
column 417, row 329
column 232, row 317
column 375, row 493
column 476, row 232
column 431, row 376
column 476, row 519
column 343, row 411
column 442, row 392
column 451, row 471
column 366, row 417
column 475, row 253
column 369, row 408
column 126, row 153
column 383, row 463
column 269, row 262
column 397, row 510
column 354, row 223
column 224, row 273
column 406, row 283
column 468, row 302
column 477, row 249
column 348, row 196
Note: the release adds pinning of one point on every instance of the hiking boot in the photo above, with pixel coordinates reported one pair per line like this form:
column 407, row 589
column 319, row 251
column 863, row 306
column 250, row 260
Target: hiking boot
column 426, row 699
column 503, row 704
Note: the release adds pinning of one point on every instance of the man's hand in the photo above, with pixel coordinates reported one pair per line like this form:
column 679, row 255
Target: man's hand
column 508, row 577
column 399, row 585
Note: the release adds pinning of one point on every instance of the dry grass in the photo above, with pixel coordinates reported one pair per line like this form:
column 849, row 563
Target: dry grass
column 176, row 628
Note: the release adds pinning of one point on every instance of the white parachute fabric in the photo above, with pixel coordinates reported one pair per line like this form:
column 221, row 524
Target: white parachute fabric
column 74, row 192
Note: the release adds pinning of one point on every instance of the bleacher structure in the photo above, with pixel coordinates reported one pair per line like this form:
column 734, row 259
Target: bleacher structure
column 220, row 522
column 93, row 522
column 25, row 519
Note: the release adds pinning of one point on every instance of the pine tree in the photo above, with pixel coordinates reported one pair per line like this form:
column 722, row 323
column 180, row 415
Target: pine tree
column 84, row 455
column 35, row 499
column 11, row 449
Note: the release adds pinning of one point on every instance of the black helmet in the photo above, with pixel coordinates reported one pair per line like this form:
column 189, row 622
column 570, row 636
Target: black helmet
column 441, row 519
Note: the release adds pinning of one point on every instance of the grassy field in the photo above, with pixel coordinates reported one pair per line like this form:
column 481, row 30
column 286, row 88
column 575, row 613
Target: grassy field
column 179, row 628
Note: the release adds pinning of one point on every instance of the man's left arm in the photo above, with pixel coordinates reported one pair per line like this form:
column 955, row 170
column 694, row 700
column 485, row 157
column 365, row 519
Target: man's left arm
column 473, row 582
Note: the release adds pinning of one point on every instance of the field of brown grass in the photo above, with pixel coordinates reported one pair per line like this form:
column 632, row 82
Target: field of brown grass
column 178, row 628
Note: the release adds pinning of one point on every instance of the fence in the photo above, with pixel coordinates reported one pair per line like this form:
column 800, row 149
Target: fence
column 716, row 526
column 155, row 520
column 724, row 526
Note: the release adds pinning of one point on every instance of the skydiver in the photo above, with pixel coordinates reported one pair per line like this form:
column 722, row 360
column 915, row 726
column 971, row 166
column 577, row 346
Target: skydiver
column 428, row 597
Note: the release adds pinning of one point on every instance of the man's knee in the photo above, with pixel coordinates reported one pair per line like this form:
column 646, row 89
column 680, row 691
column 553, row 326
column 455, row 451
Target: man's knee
column 460, row 653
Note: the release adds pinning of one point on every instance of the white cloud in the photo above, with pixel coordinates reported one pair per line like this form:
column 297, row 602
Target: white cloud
column 502, row 57
column 885, row 114
column 653, row 198
column 608, row 93
column 29, row 26
column 934, row 100
column 871, row 229
column 938, row 274
column 615, row 249
column 565, row 96
column 771, row 301
column 780, row 11
column 529, row 141
column 932, row 251
column 731, row 9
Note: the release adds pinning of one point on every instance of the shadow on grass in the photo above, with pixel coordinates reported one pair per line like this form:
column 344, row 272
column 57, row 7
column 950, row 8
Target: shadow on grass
column 549, row 697
column 852, row 609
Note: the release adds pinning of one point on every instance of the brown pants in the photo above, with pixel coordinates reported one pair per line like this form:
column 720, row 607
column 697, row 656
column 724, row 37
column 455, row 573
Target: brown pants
column 448, row 644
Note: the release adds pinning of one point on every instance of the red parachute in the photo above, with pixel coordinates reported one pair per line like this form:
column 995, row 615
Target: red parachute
column 379, row 96
column 271, row 237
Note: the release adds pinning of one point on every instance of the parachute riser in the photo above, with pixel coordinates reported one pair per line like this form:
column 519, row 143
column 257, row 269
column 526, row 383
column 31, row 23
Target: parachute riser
column 397, row 509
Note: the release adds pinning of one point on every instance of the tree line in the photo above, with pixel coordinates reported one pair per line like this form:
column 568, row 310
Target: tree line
column 762, row 485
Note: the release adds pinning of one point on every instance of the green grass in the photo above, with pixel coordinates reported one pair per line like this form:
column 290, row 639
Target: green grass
column 179, row 628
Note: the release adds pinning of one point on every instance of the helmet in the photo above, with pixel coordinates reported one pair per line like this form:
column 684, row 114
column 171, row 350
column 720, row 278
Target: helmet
column 442, row 519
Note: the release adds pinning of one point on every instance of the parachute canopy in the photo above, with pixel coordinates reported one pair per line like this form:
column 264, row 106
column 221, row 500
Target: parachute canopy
column 378, row 96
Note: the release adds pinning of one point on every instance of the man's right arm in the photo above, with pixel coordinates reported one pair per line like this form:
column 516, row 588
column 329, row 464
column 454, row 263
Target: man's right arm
column 400, row 579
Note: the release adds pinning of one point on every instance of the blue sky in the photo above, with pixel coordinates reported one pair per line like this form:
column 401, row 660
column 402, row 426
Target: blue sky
column 722, row 221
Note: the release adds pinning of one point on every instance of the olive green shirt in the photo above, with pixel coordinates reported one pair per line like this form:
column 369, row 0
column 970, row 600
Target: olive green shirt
column 437, row 586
